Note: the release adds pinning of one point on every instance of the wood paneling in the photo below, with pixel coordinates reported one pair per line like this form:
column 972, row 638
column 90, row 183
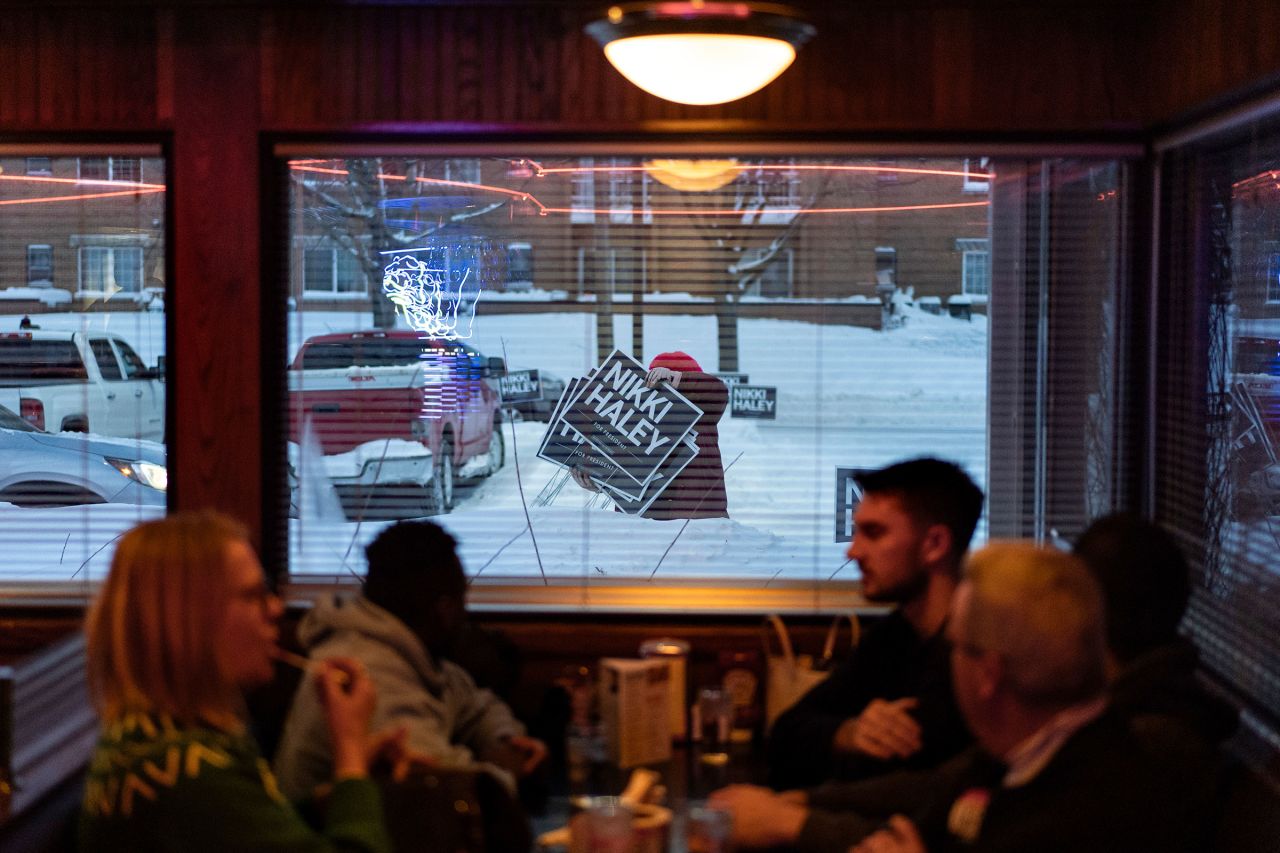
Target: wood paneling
column 1203, row 51
column 215, row 436
column 900, row 69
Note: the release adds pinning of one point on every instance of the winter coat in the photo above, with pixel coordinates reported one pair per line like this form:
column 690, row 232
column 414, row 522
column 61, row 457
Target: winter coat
column 446, row 715
column 698, row 491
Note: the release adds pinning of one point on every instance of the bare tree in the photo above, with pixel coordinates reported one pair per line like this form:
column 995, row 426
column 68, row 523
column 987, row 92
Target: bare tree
column 361, row 209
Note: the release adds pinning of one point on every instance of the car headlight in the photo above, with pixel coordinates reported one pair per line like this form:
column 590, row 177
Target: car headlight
column 146, row 473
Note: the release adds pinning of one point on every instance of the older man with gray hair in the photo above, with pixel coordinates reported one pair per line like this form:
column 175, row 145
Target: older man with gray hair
column 1052, row 769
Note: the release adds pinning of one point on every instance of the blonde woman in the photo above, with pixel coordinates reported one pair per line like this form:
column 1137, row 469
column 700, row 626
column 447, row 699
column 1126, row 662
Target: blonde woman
column 185, row 623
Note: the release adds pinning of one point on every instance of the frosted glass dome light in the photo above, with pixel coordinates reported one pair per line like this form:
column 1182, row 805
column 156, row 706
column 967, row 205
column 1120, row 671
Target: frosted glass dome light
column 698, row 52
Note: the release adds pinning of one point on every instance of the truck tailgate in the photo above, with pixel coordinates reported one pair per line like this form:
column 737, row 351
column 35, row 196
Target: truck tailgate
column 348, row 407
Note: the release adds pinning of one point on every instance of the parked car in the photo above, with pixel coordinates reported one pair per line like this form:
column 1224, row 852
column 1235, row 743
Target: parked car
column 399, row 418
column 41, row 469
column 81, row 382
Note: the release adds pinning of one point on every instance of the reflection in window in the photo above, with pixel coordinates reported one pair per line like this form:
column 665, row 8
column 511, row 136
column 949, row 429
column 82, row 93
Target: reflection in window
column 82, row 331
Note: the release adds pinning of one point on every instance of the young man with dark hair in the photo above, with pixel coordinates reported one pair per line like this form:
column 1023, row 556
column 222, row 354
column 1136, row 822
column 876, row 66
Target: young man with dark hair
column 402, row 628
column 890, row 704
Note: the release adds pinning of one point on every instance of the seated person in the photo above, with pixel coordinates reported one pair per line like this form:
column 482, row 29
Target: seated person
column 183, row 624
column 1053, row 769
column 401, row 628
column 1146, row 584
column 890, row 706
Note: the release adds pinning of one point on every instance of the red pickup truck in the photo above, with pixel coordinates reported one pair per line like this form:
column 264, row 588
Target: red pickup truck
column 398, row 416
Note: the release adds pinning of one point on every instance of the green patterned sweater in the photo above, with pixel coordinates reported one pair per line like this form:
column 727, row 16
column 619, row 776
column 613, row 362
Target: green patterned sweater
column 153, row 786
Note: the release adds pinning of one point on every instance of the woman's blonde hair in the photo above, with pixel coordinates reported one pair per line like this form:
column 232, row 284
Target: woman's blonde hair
column 151, row 631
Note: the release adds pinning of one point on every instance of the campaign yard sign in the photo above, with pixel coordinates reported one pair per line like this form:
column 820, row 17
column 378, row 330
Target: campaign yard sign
column 635, row 426
column 676, row 462
column 731, row 379
column 848, row 496
column 753, row 401
column 519, row 385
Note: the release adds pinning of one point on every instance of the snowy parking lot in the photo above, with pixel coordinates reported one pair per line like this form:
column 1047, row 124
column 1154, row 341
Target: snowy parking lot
column 846, row 397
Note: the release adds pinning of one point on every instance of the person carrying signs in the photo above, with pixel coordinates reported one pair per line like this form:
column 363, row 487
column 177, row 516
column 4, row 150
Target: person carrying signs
column 698, row 491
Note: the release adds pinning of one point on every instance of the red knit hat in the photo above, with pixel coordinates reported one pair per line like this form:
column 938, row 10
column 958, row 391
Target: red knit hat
column 675, row 360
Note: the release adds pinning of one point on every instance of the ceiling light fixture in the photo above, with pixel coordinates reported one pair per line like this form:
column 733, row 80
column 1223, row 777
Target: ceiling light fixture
column 700, row 52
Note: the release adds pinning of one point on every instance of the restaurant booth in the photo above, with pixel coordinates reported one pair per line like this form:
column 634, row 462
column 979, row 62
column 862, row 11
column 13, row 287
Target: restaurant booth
column 1057, row 219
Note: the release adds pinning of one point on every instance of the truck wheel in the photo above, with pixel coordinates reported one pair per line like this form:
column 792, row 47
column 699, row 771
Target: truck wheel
column 497, row 449
column 442, row 480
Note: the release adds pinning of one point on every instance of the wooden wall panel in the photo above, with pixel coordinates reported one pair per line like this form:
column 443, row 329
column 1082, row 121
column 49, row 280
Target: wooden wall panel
column 76, row 69
column 1207, row 50
column 919, row 68
column 215, row 439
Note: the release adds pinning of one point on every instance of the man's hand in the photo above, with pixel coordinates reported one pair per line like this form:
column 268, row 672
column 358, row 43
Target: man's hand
column 517, row 754
column 389, row 748
column 883, row 730
column 662, row 374
column 348, row 697
column 583, row 479
column 531, row 749
column 761, row 818
column 900, row 836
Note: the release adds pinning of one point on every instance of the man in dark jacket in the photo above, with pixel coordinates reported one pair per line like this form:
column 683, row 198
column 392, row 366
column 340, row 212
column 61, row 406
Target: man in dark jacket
column 1145, row 583
column 890, row 705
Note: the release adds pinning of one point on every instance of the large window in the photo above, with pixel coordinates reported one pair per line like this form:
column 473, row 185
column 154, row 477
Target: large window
column 803, row 292
column 82, row 346
column 1217, row 362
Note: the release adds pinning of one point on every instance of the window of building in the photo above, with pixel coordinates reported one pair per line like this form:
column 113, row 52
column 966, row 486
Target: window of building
column 582, row 184
column 110, row 269
column 333, row 272
column 466, row 170
column 82, row 454
column 975, row 267
column 977, row 174
column 40, row 265
column 848, row 387
column 110, row 168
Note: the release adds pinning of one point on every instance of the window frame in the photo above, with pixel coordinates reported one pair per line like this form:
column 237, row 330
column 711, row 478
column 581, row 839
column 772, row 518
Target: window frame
column 560, row 594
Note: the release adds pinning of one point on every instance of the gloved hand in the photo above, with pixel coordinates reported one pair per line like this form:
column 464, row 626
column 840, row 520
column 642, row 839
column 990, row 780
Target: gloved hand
column 583, row 479
column 662, row 374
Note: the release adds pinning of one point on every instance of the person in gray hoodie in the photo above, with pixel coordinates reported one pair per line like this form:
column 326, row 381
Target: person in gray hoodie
column 401, row 628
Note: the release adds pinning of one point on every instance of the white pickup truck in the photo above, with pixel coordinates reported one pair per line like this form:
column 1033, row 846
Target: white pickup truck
column 81, row 382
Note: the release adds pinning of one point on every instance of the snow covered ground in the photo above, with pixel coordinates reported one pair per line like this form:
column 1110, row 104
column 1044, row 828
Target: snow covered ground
column 847, row 397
